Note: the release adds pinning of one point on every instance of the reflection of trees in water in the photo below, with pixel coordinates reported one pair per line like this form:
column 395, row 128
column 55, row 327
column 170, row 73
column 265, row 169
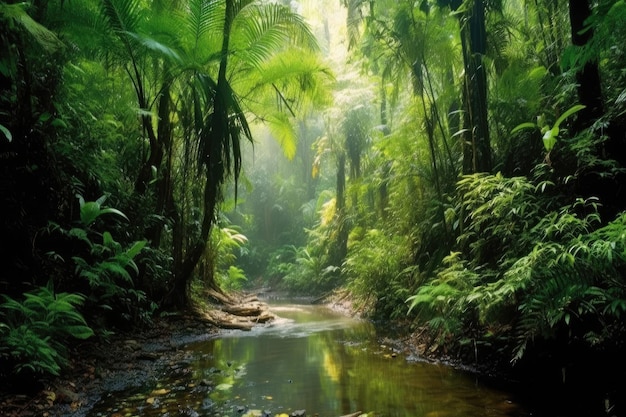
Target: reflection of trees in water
column 338, row 372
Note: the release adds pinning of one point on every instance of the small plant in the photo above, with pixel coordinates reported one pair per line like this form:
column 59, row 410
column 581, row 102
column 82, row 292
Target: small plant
column 550, row 133
column 108, row 273
column 107, row 268
column 35, row 331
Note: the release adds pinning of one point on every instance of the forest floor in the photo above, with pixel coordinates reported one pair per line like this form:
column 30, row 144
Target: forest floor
column 123, row 361
column 129, row 359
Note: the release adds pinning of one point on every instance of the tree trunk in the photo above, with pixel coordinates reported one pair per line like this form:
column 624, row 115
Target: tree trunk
column 588, row 77
column 477, row 83
column 476, row 156
column 213, row 139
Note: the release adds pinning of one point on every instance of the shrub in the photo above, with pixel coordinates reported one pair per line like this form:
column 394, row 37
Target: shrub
column 35, row 331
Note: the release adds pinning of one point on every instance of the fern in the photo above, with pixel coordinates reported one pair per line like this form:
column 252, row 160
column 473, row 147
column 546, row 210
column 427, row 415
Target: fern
column 37, row 328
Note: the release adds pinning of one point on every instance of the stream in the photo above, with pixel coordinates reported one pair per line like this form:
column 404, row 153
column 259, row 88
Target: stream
column 310, row 360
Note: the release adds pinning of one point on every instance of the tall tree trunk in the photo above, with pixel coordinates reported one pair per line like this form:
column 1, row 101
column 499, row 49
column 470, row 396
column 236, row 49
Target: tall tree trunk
column 588, row 77
column 341, row 244
column 476, row 75
column 164, row 142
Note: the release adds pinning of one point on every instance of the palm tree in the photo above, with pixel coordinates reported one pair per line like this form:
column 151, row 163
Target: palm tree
column 202, row 69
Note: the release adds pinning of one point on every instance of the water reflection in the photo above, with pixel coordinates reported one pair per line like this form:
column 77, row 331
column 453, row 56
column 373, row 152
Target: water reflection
column 322, row 362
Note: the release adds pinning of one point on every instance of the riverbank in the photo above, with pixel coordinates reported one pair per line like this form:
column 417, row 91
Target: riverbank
column 126, row 360
column 134, row 359
column 123, row 361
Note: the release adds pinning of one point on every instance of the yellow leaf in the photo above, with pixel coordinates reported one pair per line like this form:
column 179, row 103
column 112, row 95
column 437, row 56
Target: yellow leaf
column 161, row 391
column 150, row 400
column 50, row 396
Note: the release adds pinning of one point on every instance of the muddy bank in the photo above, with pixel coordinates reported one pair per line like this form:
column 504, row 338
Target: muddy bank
column 124, row 361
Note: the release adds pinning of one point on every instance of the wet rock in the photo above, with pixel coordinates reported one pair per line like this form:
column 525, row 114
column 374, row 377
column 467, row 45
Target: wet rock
column 147, row 356
column 132, row 344
column 190, row 412
column 299, row 413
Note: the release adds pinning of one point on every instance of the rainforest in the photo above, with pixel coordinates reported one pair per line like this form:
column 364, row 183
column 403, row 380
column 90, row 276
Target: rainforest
column 452, row 171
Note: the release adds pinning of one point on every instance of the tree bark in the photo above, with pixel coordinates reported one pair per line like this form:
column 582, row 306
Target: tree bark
column 477, row 85
column 587, row 77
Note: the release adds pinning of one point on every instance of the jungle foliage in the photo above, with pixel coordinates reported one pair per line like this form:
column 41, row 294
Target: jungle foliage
column 477, row 179
column 461, row 167
column 122, row 125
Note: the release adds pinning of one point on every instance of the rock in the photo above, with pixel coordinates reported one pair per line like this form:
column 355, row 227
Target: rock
column 132, row 344
column 147, row 356
column 299, row 413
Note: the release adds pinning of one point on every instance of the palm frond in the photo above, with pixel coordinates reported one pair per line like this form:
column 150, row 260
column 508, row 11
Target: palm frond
column 123, row 16
column 262, row 29
column 41, row 34
column 284, row 132
column 299, row 79
column 155, row 46
column 202, row 19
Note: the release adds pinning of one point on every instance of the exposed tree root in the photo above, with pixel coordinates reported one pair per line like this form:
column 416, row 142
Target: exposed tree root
column 237, row 311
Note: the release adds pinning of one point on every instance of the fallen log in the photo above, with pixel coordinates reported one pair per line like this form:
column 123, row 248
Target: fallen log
column 238, row 311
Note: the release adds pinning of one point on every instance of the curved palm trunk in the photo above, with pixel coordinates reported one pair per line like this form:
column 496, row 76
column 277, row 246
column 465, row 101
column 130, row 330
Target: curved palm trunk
column 214, row 150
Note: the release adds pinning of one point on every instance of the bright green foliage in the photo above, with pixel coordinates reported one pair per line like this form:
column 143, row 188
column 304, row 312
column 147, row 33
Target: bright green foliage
column 445, row 302
column 34, row 331
column 375, row 269
column 526, row 269
column 91, row 210
column 219, row 260
column 108, row 274
column 305, row 273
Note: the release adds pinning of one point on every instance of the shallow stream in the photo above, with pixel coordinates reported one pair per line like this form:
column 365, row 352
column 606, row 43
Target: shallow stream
column 310, row 359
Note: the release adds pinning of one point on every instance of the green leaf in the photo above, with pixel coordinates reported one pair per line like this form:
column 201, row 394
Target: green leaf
column 549, row 138
column 136, row 248
column 156, row 46
column 565, row 115
column 79, row 332
column 41, row 34
column 89, row 212
column 6, row 132
column 526, row 125
column 110, row 210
